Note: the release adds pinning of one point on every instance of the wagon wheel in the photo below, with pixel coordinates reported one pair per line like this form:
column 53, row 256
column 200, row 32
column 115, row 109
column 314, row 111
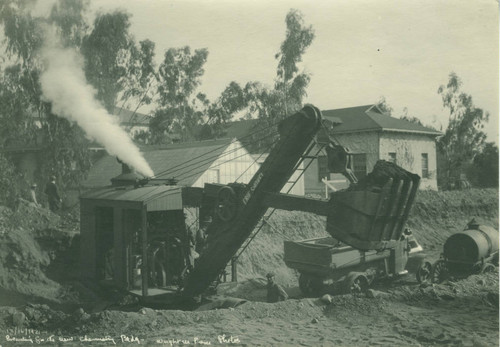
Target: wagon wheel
column 357, row 283
column 227, row 204
column 424, row 272
column 487, row 268
column 477, row 268
column 439, row 272
column 495, row 259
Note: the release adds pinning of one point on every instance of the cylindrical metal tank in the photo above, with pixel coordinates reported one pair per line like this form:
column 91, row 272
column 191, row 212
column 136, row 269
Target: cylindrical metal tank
column 475, row 243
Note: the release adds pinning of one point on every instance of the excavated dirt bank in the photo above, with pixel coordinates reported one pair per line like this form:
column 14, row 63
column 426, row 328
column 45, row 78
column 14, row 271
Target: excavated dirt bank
column 463, row 313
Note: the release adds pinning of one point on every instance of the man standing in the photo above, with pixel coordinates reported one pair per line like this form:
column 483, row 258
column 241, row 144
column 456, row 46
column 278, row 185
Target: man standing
column 275, row 292
column 53, row 194
column 192, row 255
column 33, row 194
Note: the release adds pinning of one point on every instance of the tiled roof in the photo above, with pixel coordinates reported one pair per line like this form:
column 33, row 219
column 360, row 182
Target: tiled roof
column 370, row 118
column 166, row 162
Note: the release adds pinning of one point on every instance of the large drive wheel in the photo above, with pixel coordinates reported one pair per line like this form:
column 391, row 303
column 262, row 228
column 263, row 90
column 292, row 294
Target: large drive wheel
column 227, row 204
column 356, row 283
column 310, row 286
column 439, row 272
column 424, row 272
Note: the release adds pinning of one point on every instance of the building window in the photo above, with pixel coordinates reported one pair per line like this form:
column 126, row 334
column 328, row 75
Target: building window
column 392, row 157
column 425, row 165
column 323, row 167
column 359, row 165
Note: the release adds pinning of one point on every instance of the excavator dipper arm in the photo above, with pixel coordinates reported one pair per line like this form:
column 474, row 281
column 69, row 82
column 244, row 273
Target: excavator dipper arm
column 236, row 222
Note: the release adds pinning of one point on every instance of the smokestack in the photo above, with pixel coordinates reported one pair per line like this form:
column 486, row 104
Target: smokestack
column 126, row 169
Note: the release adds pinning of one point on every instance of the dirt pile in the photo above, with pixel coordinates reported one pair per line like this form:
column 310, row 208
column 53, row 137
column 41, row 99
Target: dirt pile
column 31, row 243
column 462, row 313
column 265, row 252
column 382, row 172
column 437, row 215
column 28, row 216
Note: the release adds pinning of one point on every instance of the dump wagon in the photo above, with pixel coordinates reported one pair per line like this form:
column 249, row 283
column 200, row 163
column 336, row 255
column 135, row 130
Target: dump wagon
column 326, row 265
column 368, row 236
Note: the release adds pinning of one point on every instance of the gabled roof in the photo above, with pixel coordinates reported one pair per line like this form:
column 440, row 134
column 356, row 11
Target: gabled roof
column 184, row 161
column 371, row 118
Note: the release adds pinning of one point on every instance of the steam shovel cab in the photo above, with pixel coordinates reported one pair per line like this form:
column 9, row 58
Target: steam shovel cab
column 135, row 237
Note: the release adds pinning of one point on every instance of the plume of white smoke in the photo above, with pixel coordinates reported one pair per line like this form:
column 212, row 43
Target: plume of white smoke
column 64, row 84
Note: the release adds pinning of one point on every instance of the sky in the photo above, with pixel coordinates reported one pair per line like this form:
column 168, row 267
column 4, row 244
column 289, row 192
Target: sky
column 363, row 49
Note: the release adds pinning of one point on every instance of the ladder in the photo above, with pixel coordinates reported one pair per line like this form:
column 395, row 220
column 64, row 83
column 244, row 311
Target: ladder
column 301, row 171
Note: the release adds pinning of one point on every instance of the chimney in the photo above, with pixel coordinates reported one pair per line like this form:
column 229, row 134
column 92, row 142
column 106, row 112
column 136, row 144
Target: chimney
column 128, row 176
column 126, row 169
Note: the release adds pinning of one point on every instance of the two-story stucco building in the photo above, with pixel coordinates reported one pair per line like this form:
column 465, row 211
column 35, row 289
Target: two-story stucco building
column 371, row 135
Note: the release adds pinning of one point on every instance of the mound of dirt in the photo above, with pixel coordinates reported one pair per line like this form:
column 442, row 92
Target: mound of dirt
column 382, row 172
column 28, row 216
column 462, row 313
column 265, row 252
column 30, row 244
column 437, row 215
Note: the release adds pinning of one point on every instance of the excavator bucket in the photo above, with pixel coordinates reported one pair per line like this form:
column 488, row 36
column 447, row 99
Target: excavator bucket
column 372, row 213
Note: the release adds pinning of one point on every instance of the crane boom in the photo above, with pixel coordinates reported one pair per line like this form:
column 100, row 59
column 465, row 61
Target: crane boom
column 246, row 205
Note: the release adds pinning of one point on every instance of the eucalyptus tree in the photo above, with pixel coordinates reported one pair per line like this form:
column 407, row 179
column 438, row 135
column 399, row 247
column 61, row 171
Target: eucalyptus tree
column 292, row 82
column 117, row 67
column 179, row 109
column 464, row 137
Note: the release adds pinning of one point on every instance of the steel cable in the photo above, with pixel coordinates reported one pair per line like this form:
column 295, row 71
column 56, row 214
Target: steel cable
column 206, row 160
column 162, row 173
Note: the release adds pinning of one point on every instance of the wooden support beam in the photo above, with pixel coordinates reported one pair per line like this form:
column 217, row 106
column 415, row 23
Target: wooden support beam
column 119, row 271
column 88, row 269
column 144, row 269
